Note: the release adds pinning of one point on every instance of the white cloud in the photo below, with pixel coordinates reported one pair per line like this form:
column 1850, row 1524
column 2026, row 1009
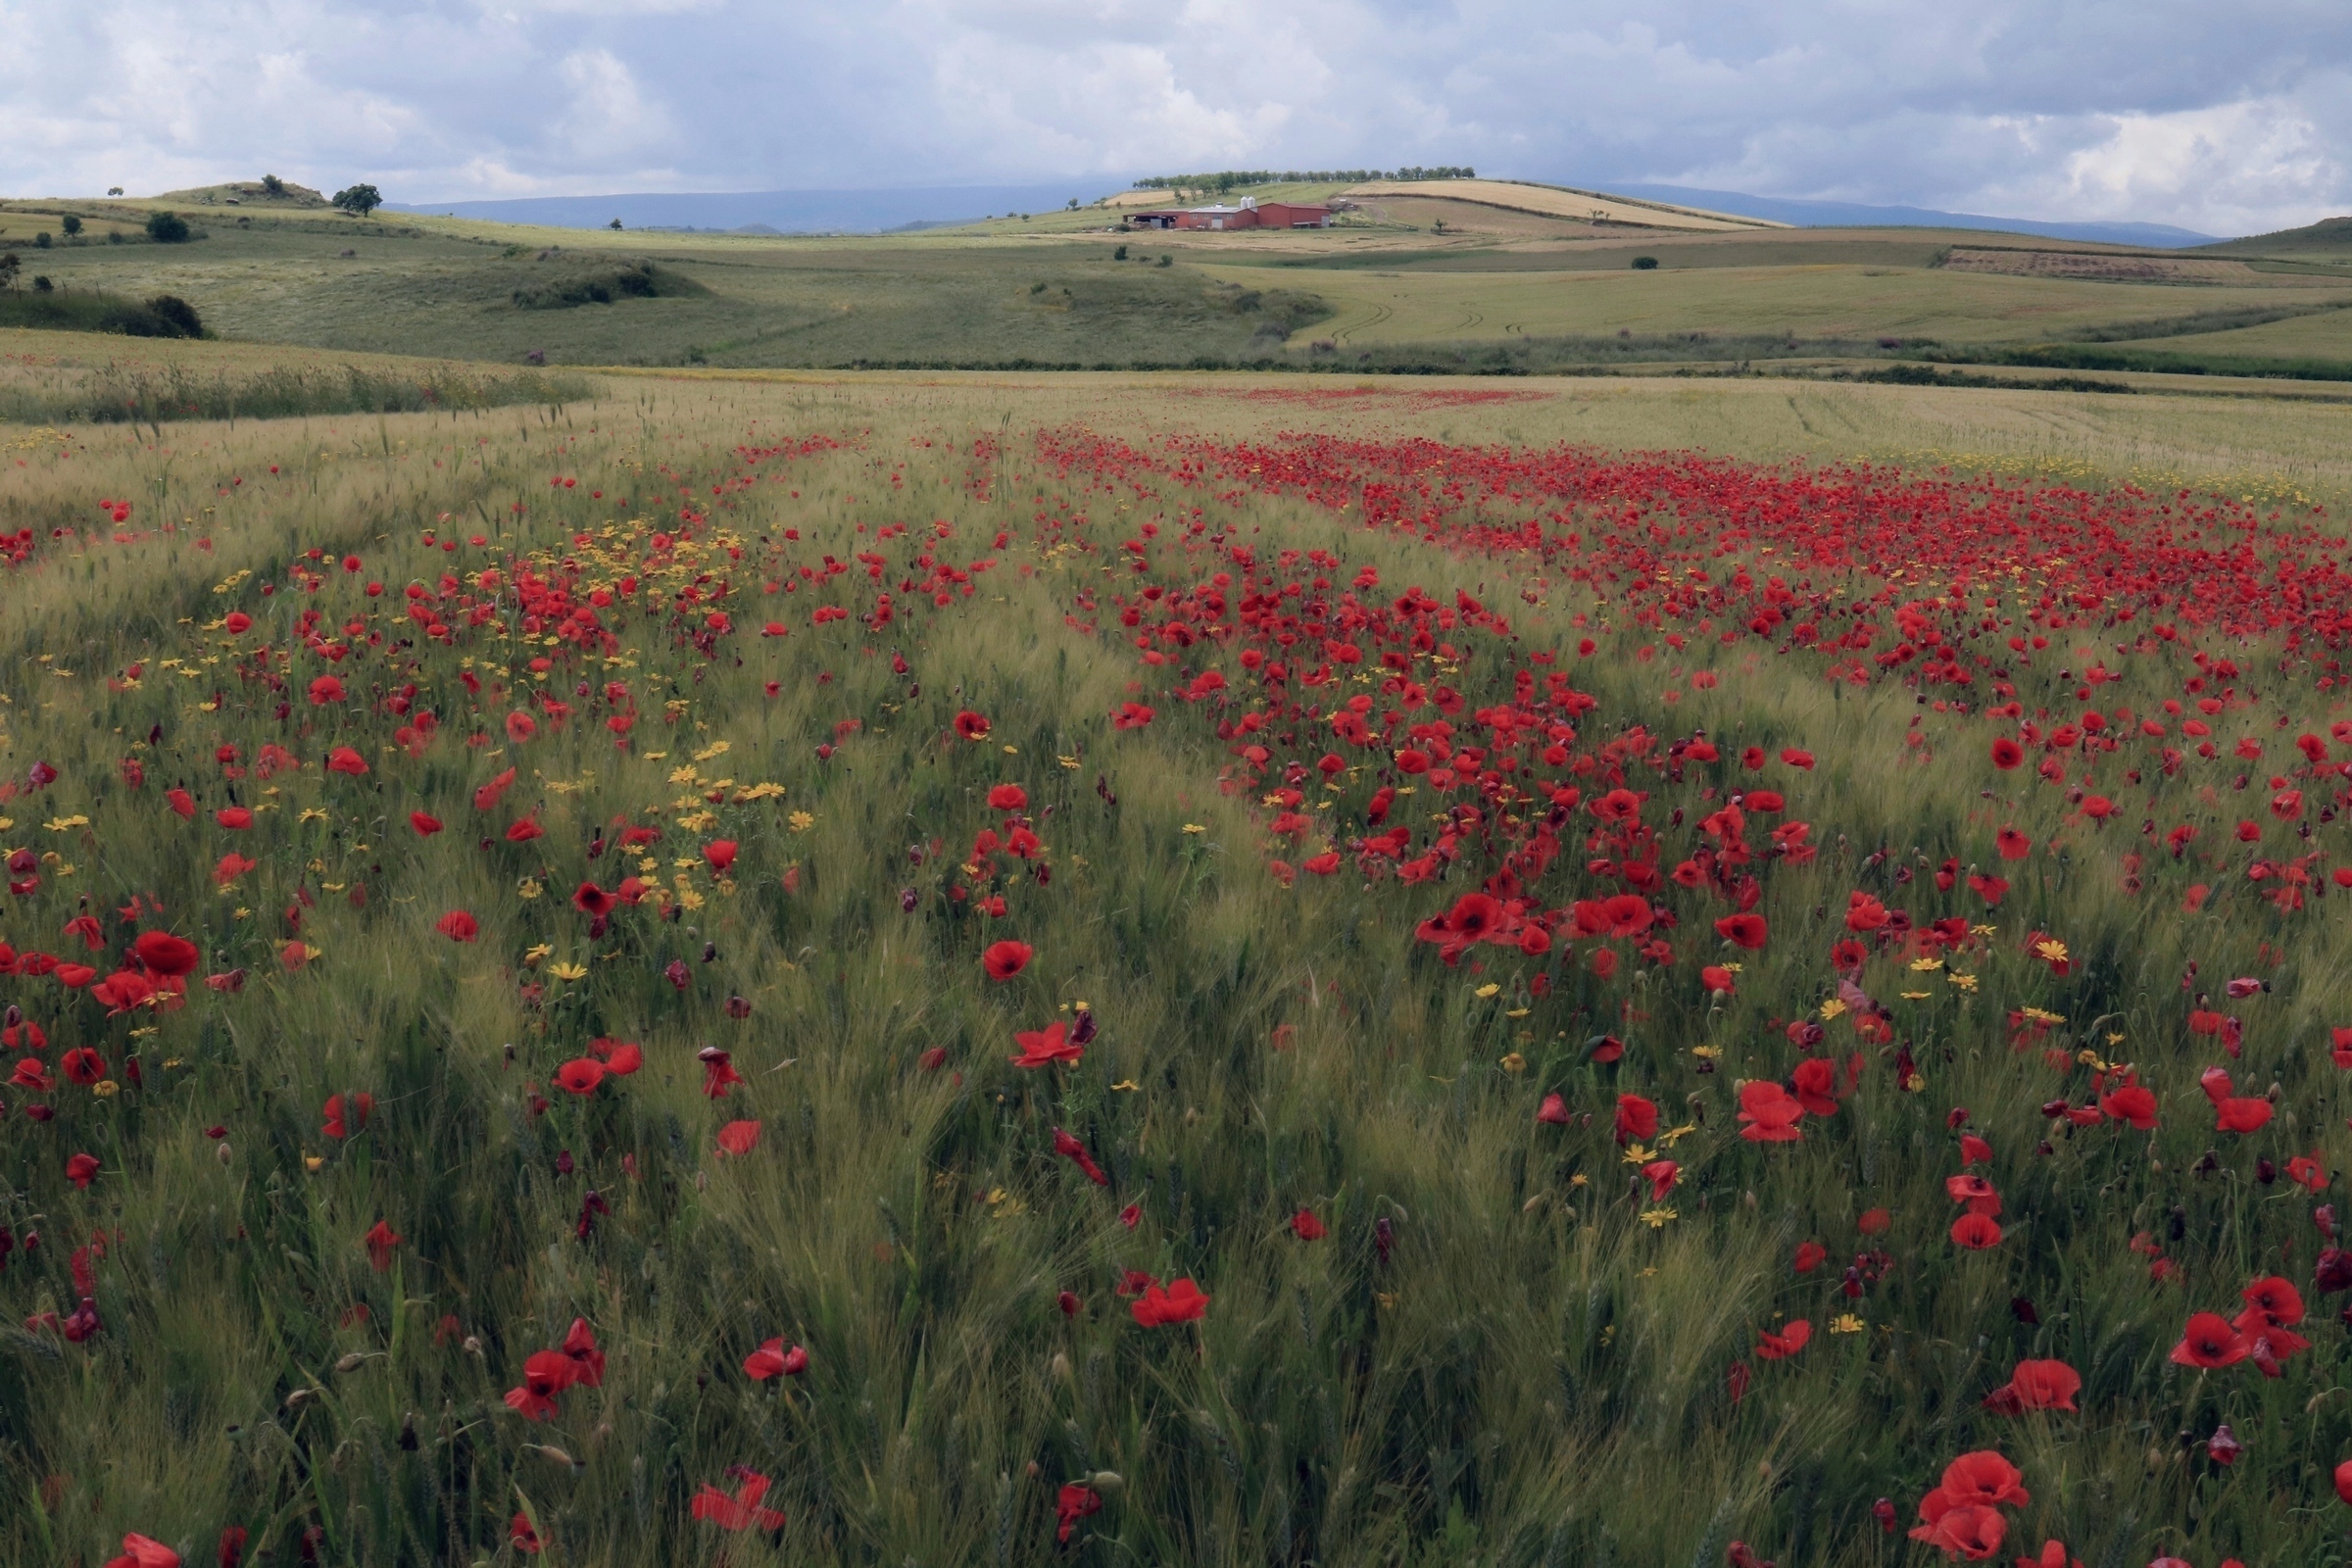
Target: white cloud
column 2161, row 109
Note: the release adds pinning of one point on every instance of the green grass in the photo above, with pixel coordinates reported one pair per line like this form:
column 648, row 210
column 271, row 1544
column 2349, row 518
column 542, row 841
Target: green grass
column 1531, row 1376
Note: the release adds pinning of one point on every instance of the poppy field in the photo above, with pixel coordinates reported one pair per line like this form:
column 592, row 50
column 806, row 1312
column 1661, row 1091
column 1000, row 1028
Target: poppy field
column 892, row 973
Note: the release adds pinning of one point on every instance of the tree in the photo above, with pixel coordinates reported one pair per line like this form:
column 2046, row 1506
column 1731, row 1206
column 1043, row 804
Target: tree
column 273, row 185
column 9, row 267
column 358, row 200
column 617, row 222
column 114, row 190
column 166, row 228
column 71, row 225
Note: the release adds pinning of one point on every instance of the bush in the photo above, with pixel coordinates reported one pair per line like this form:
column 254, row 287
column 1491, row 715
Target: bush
column 41, row 241
column 71, row 225
column 48, row 309
column 166, row 228
column 638, row 280
column 1646, row 264
column 178, row 312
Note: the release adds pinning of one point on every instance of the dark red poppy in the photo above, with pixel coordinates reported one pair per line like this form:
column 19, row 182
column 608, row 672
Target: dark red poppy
column 1005, row 959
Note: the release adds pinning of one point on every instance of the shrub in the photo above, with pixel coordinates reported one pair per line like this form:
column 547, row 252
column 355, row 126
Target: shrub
column 71, row 225
column 638, row 280
column 178, row 313
column 41, row 241
column 1646, row 264
column 166, row 228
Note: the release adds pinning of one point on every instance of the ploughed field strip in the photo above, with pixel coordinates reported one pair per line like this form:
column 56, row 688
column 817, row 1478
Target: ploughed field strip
column 880, row 984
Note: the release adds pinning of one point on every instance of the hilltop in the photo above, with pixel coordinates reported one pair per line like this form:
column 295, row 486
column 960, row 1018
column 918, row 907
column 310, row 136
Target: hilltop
column 268, row 191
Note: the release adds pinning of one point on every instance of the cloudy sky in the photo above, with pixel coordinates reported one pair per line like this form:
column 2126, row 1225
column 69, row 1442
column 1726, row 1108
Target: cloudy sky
column 2230, row 117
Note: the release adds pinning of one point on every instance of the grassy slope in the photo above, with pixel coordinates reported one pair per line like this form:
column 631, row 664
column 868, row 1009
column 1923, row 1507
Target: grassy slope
column 445, row 287
column 1533, row 1379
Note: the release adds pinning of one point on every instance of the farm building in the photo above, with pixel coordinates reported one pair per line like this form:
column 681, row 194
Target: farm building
column 1250, row 214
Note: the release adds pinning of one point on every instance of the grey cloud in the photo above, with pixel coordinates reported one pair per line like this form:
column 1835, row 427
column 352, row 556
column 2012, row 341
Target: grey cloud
column 2204, row 116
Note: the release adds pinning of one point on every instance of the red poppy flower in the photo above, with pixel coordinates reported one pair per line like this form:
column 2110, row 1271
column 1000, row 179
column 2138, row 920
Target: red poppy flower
column 181, row 802
column 718, row 1072
column 1637, row 1119
column 1046, row 1047
column 1770, row 1113
column 144, row 1551
column 1181, row 1303
column 1553, row 1111
column 1815, row 1081
column 738, row 1137
column 237, row 819
column 1810, row 1255
column 971, row 726
column 1743, row 931
column 1976, row 1231
column 1071, row 1149
column 2274, row 1301
column 81, row 1168
column 1778, row 1346
column 2054, row 1555
column 619, row 1058
column 588, row 1362
column 1071, row 1504
column 2007, row 754
column 2209, row 1342
column 164, row 954
column 581, row 1075
column 1008, row 798
column 2042, row 1386
column 742, row 1511
column 525, row 831
column 520, row 727
column 457, row 926
column 519, row 1529
column 2132, row 1103
column 2236, row 1115
column 1005, row 959
column 1970, row 1531
column 1131, row 715
column 2013, row 844
column 1307, row 1227
column 1982, row 1479
column 83, row 1065
column 1661, row 1174
column 379, row 1241
column 772, row 1360
column 719, row 856
column 593, row 901
column 347, row 1115
column 344, row 760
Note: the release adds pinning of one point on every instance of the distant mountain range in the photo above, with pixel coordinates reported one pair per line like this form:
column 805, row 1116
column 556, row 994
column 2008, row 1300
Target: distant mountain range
column 1845, row 215
column 868, row 211
column 776, row 211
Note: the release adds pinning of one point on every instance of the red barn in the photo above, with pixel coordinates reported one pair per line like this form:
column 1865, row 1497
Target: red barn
column 1250, row 214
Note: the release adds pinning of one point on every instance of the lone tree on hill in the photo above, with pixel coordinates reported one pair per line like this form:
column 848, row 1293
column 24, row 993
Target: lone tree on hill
column 273, row 185
column 358, row 200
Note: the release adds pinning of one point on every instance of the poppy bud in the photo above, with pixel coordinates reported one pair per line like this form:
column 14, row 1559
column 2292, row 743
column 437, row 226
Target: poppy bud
column 1108, row 1482
column 1883, row 1512
column 2323, row 1217
column 408, row 1432
column 710, row 951
column 2334, row 1271
column 352, row 1362
column 223, row 1151
column 1068, row 1302
column 907, row 898
column 2265, row 1172
column 2223, row 1448
column 739, row 1008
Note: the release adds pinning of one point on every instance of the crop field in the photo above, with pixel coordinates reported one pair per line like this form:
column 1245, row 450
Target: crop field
column 1122, row 969
column 1818, row 301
